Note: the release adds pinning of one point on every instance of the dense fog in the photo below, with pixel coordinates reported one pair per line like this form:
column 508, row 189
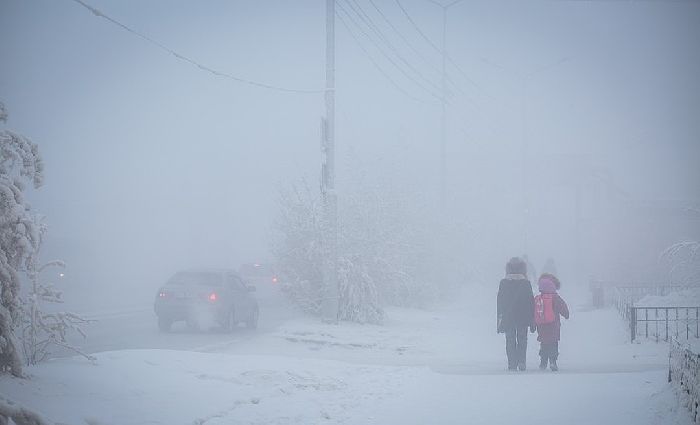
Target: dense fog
column 153, row 164
column 571, row 134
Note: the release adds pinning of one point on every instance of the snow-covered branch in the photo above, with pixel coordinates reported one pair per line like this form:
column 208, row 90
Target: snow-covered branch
column 383, row 246
column 42, row 330
column 19, row 415
column 20, row 233
column 683, row 261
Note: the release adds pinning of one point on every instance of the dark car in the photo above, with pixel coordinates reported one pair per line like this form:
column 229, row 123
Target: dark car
column 206, row 297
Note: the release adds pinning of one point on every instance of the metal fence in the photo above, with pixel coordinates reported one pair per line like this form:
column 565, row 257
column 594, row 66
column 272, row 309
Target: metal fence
column 664, row 323
column 684, row 374
column 624, row 297
column 657, row 323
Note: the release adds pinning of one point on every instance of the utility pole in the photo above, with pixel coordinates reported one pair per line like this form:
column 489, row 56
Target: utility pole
column 444, row 218
column 330, row 200
column 443, row 114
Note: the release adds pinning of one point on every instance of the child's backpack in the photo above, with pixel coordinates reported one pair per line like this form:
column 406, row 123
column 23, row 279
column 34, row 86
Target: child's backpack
column 544, row 309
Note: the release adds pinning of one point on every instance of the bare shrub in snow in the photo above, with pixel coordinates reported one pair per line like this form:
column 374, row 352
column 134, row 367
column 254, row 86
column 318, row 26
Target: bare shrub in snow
column 297, row 246
column 382, row 229
column 42, row 330
column 382, row 250
column 359, row 299
column 19, row 234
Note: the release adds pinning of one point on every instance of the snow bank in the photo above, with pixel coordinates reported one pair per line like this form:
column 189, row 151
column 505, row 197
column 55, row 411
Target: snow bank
column 177, row 387
column 683, row 298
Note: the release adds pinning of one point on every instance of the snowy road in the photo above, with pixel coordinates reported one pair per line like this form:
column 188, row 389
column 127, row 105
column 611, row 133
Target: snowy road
column 441, row 366
column 136, row 328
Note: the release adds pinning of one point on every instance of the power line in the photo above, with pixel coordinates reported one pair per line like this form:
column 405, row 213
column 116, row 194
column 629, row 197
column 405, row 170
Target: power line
column 411, row 46
column 184, row 58
column 450, row 93
column 434, row 46
column 403, row 37
column 371, row 24
column 373, row 61
column 417, row 28
column 382, row 50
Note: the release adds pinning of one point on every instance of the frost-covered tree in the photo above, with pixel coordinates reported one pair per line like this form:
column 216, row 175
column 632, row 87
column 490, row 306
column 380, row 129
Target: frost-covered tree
column 384, row 229
column 20, row 163
column 297, row 245
column 298, row 249
column 683, row 261
column 383, row 249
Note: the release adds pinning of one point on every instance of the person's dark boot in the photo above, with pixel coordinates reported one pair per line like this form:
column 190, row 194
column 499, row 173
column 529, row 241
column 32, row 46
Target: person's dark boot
column 543, row 363
column 553, row 365
column 522, row 366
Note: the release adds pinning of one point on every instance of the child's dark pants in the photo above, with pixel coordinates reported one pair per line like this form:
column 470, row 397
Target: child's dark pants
column 549, row 351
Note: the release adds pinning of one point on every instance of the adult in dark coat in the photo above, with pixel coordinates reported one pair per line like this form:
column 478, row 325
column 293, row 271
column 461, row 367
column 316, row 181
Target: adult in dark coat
column 515, row 312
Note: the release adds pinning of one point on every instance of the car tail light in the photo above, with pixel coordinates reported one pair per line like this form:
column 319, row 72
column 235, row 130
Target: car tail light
column 213, row 297
column 162, row 294
column 274, row 279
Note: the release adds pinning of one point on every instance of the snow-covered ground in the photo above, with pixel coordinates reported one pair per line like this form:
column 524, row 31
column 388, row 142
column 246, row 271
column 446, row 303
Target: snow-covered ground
column 683, row 298
column 442, row 366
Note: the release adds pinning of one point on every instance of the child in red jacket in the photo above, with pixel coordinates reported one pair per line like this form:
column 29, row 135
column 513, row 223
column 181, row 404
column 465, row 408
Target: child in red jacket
column 548, row 307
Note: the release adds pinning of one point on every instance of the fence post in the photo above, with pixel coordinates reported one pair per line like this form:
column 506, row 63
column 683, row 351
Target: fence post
column 633, row 323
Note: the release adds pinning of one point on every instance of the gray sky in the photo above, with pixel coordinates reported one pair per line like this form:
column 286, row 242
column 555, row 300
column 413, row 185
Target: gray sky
column 147, row 154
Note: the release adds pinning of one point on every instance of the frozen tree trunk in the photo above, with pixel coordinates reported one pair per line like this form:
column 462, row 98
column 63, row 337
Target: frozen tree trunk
column 9, row 356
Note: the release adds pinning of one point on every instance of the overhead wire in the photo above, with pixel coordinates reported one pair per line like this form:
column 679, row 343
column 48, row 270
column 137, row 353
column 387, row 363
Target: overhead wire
column 184, row 58
column 387, row 42
column 408, row 43
column 473, row 106
column 374, row 62
column 466, row 100
column 403, row 37
column 436, row 47
column 383, row 51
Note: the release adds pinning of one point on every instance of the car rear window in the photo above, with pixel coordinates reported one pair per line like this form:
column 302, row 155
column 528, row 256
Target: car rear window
column 196, row 278
column 255, row 270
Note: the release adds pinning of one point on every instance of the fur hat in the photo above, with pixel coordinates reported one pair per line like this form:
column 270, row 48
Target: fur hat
column 548, row 283
column 516, row 266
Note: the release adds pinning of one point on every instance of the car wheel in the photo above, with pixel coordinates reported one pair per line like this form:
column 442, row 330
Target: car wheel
column 164, row 324
column 252, row 322
column 229, row 323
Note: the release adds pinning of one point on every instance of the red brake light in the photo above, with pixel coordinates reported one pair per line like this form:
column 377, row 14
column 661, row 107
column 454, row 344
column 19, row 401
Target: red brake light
column 274, row 279
column 212, row 296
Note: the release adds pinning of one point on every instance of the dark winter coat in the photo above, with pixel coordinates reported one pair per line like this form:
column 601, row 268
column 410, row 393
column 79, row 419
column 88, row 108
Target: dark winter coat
column 516, row 304
column 550, row 332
